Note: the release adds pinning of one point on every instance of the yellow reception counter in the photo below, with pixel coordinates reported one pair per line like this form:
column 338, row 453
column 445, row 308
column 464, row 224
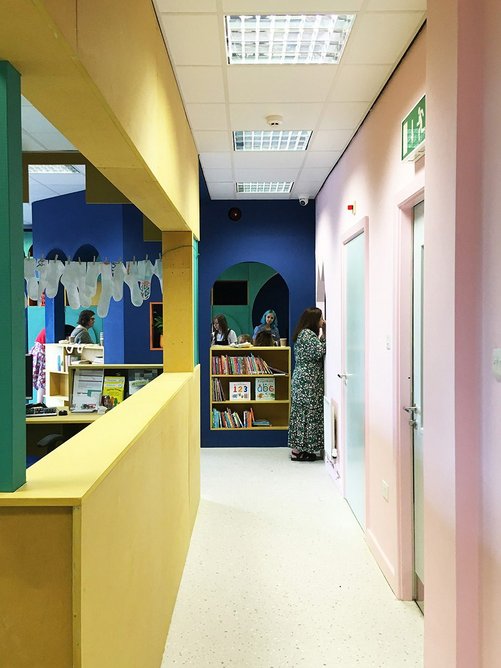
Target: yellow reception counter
column 92, row 547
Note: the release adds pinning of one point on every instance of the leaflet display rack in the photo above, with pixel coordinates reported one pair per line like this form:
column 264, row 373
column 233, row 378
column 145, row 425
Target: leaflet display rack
column 229, row 365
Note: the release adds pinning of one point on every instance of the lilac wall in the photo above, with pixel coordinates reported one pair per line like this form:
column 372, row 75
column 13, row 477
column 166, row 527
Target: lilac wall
column 116, row 231
column 280, row 234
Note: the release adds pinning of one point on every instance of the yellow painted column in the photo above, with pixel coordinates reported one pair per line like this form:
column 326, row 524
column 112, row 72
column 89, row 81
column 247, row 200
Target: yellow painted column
column 178, row 303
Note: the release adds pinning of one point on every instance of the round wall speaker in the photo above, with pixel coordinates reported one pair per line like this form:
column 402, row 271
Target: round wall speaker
column 234, row 214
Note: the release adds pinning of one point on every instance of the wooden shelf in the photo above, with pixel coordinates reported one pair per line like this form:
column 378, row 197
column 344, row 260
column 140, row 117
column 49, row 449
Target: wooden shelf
column 275, row 410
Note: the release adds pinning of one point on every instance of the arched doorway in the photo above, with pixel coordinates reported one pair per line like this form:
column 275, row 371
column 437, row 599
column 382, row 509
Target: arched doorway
column 244, row 291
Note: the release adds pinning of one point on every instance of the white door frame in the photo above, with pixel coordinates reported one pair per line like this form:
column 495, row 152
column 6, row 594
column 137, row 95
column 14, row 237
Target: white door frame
column 403, row 389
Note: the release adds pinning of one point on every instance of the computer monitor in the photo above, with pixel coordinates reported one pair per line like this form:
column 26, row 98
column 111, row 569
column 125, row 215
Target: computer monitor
column 28, row 377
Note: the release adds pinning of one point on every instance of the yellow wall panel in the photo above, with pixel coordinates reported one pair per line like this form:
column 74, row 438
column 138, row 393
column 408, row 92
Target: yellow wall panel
column 35, row 587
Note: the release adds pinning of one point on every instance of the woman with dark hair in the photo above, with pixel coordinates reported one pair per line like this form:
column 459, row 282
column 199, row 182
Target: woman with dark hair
column 269, row 323
column 222, row 335
column 264, row 338
column 85, row 322
column 306, row 424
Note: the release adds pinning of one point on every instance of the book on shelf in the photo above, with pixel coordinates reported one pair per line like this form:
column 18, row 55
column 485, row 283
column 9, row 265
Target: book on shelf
column 217, row 390
column 261, row 423
column 239, row 365
column 113, row 391
column 138, row 378
column 87, row 390
column 265, row 389
column 239, row 391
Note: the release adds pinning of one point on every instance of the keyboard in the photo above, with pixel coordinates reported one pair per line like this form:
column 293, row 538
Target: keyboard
column 39, row 411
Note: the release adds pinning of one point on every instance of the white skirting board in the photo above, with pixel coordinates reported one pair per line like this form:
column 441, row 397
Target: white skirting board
column 330, row 428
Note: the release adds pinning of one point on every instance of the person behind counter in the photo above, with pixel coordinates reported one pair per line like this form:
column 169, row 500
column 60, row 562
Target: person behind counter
column 268, row 323
column 37, row 351
column 264, row 338
column 222, row 335
column 81, row 331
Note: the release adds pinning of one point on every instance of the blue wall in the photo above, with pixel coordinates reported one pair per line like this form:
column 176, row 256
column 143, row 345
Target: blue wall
column 116, row 231
column 280, row 234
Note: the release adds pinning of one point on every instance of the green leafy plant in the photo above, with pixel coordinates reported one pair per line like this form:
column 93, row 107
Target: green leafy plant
column 158, row 323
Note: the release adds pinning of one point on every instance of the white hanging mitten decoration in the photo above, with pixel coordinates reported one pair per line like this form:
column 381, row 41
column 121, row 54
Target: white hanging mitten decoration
column 54, row 270
column 30, row 278
column 69, row 279
column 90, row 289
column 106, row 290
column 132, row 280
column 145, row 269
column 157, row 271
column 42, row 268
column 117, row 281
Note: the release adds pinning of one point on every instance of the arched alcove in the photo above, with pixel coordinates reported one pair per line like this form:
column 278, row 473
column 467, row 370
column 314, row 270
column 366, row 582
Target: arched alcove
column 245, row 291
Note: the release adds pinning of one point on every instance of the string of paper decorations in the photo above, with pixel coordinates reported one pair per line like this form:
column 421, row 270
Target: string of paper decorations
column 80, row 280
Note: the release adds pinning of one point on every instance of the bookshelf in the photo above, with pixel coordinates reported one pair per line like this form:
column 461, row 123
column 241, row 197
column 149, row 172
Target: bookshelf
column 58, row 358
column 243, row 368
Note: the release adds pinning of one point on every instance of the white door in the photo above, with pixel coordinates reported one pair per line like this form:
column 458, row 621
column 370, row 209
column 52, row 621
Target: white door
column 416, row 416
column 354, row 375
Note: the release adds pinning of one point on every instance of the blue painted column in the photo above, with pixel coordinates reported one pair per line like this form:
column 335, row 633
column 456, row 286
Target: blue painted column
column 12, row 332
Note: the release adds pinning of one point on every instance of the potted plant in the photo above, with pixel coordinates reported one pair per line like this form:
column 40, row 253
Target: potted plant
column 158, row 324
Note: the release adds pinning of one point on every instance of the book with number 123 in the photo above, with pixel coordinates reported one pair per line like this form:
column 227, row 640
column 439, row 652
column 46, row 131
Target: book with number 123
column 239, row 391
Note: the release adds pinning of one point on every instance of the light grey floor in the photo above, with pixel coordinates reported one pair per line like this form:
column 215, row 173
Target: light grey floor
column 279, row 575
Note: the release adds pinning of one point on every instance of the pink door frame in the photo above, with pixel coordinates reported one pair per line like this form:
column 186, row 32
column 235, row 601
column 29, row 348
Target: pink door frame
column 402, row 384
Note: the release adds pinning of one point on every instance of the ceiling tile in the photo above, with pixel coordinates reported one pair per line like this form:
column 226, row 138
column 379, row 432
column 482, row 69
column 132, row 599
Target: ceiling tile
column 212, row 141
column 193, row 39
column 220, row 160
column 186, row 5
column 395, row 5
column 318, row 174
column 320, row 159
column 29, row 143
column 293, row 6
column 295, row 116
column 331, row 140
column 265, row 174
column 201, row 84
column 222, row 190
column 380, row 38
column 307, row 187
column 207, row 116
column 279, row 83
column 216, row 175
column 263, row 159
column 54, row 141
column 343, row 115
column 359, row 83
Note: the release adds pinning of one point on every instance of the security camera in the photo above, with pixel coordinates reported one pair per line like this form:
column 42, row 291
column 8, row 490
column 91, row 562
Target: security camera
column 303, row 200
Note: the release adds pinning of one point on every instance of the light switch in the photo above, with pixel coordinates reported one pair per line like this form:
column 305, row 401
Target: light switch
column 496, row 364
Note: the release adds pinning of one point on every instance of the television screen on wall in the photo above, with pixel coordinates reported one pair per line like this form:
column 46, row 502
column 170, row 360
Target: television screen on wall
column 230, row 293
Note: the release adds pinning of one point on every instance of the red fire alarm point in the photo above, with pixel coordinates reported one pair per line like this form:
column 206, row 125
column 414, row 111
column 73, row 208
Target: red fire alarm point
column 352, row 207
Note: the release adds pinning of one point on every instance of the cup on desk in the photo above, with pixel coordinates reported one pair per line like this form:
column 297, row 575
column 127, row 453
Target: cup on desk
column 283, row 342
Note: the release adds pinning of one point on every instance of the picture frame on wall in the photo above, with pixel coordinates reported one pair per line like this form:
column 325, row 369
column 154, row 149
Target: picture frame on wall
column 156, row 325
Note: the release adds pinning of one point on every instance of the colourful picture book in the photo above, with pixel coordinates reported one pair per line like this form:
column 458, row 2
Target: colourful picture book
column 265, row 389
column 240, row 391
column 113, row 390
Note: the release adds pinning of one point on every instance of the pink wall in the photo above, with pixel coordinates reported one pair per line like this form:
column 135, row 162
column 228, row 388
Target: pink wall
column 462, row 307
column 489, row 215
column 372, row 174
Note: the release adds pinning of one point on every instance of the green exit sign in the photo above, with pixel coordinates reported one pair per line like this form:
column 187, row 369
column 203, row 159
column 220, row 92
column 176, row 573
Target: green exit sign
column 414, row 131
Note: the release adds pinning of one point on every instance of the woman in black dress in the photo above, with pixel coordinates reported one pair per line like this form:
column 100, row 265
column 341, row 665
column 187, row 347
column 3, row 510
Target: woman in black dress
column 306, row 424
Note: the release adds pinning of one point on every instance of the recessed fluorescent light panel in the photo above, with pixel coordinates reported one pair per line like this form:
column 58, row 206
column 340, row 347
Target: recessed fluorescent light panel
column 271, row 140
column 52, row 169
column 265, row 187
column 287, row 39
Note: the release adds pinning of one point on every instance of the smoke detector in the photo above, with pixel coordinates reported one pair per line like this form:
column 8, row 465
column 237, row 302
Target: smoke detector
column 274, row 120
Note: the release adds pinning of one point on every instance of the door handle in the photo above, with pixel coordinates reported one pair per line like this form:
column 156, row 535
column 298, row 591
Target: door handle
column 344, row 377
column 410, row 409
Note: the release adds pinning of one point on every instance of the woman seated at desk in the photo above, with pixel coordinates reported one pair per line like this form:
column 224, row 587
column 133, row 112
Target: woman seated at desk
column 81, row 331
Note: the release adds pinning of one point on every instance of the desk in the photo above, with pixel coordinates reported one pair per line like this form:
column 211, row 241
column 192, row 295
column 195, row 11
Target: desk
column 67, row 425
